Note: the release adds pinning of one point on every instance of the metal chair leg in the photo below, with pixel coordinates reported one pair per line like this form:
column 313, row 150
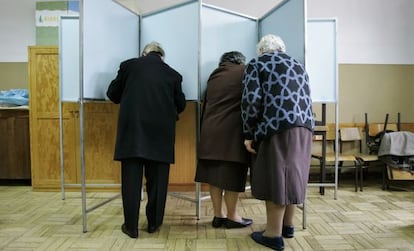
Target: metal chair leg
column 356, row 178
column 304, row 214
column 361, row 178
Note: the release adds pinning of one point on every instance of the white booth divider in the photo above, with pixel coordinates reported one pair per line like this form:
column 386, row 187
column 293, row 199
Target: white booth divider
column 106, row 35
column 68, row 75
column 322, row 67
column 193, row 35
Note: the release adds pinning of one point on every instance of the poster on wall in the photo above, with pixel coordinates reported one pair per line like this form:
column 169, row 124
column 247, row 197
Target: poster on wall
column 48, row 14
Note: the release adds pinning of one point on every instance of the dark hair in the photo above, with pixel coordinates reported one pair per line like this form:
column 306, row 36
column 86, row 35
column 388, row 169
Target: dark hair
column 235, row 57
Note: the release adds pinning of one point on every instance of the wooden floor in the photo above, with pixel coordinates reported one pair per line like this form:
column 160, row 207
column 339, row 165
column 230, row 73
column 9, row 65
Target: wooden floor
column 370, row 220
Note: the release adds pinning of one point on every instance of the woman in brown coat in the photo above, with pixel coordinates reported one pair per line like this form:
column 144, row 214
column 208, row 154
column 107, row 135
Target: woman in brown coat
column 222, row 156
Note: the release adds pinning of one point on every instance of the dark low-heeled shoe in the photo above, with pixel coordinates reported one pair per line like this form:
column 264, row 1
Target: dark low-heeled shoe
column 275, row 243
column 131, row 234
column 234, row 224
column 151, row 229
column 218, row 222
column 288, row 231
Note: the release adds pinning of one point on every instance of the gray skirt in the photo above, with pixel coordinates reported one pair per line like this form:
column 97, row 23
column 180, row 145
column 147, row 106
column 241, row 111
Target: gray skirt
column 280, row 170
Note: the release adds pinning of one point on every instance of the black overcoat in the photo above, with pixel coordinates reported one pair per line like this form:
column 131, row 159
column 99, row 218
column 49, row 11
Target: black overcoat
column 150, row 96
column 221, row 136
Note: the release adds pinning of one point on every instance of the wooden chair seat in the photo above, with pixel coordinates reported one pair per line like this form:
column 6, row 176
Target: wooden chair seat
column 330, row 157
column 364, row 161
column 345, row 160
column 366, row 157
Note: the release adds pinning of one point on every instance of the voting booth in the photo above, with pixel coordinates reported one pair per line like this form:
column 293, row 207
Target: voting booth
column 193, row 33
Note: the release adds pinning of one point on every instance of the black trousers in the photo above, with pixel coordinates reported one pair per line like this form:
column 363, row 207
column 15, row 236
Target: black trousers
column 156, row 176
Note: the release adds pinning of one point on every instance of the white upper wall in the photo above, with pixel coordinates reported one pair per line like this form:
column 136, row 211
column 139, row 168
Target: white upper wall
column 17, row 29
column 370, row 31
column 245, row 7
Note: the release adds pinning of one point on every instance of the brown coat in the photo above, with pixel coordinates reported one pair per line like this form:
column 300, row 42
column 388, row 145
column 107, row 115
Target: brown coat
column 221, row 136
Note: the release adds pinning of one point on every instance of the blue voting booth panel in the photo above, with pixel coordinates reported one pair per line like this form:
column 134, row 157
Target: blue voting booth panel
column 69, row 58
column 223, row 32
column 110, row 35
column 194, row 37
column 177, row 30
column 288, row 22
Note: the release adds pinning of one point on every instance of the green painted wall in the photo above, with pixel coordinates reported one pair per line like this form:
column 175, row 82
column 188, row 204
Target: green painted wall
column 374, row 89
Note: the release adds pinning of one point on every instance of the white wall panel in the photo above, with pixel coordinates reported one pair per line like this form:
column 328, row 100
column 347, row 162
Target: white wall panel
column 370, row 31
column 17, row 29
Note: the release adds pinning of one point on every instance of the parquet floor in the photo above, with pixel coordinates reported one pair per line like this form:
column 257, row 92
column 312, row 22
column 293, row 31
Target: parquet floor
column 370, row 220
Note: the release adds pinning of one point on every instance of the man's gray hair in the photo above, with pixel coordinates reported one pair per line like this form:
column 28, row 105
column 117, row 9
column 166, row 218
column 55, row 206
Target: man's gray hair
column 270, row 43
column 153, row 47
column 234, row 57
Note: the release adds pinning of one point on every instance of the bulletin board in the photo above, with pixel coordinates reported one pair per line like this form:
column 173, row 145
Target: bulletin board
column 321, row 62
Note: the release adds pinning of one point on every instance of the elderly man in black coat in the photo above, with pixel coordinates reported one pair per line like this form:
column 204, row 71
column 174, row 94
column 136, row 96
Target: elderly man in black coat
column 150, row 96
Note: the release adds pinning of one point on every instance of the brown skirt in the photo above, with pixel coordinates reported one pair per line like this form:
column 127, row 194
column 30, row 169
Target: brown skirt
column 230, row 176
column 280, row 170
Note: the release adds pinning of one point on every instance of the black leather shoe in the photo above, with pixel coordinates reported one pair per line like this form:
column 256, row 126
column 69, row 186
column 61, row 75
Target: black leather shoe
column 275, row 243
column 151, row 229
column 288, row 231
column 129, row 233
column 234, row 224
column 218, row 222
